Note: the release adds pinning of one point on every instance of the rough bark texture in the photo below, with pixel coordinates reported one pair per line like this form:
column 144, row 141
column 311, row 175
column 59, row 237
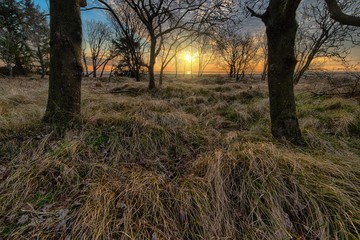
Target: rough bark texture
column 152, row 64
column 281, row 27
column 65, row 61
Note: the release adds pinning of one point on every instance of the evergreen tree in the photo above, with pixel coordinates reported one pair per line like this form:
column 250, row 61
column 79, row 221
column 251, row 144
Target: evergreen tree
column 14, row 48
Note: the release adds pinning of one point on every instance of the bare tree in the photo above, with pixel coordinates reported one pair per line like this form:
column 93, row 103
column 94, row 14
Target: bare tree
column 238, row 51
column 174, row 43
column 205, row 46
column 263, row 48
column 228, row 44
column 162, row 17
column 247, row 60
column 65, row 62
column 130, row 40
column 98, row 39
column 319, row 36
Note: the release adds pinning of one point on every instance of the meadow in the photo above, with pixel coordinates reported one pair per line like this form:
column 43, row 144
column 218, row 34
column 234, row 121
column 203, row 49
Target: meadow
column 194, row 159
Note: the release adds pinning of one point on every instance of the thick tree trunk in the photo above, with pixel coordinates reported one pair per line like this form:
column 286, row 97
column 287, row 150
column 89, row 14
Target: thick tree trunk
column 281, row 31
column 65, row 62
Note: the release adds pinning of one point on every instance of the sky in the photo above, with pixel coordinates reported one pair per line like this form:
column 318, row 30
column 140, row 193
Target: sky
column 253, row 24
column 86, row 15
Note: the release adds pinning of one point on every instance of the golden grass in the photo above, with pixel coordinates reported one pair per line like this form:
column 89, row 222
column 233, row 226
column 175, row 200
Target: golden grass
column 193, row 160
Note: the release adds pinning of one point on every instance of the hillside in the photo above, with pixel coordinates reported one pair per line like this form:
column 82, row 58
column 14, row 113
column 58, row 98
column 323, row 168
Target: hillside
column 194, row 159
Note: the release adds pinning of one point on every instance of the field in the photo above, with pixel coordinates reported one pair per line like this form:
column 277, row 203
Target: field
column 194, row 159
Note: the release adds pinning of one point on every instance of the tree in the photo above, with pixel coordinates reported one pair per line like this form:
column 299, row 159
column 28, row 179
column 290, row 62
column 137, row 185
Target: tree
column 264, row 53
column 98, row 39
column 206, row 51
column 281, row 27
column 14, row 48
column 238, row 50
column 38, row 32
column 65, row 61
column 130, row 40
column 162, row 17
column 175, row 42
column 319, row 36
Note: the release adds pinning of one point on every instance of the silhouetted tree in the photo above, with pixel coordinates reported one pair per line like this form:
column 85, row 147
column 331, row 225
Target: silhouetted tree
column 319, row 36
column 98, row 39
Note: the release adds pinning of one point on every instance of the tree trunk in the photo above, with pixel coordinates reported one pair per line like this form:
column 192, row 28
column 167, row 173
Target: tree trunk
column 137, row 72
column 85, row 63
column 231, row 72
column 309, row 59
column 161, row 76
column 265, row 69
column 152, row 64
column 281, row 31
column 94, row 68
column 65, row 62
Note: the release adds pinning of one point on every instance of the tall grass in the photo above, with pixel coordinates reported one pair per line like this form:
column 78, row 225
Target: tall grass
column 193, row 160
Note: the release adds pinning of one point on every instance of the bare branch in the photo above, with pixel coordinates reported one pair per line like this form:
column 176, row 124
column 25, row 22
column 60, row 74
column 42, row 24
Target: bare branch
column 338, row 15
column 255, row 14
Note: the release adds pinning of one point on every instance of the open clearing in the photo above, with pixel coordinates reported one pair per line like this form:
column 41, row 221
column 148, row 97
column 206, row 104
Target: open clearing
column 194, row 159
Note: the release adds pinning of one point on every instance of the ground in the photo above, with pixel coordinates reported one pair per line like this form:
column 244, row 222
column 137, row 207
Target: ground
column 194, row 159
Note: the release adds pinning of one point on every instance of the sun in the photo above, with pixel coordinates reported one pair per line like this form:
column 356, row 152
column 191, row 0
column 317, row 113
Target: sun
column 188, row 57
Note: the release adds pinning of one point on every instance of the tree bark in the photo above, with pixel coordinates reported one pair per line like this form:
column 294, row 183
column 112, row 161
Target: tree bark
column 152, row 64
column 281, row 28
column 65, row 61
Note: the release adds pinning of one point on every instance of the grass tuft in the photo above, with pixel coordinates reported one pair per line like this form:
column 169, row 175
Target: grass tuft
column 192, row 160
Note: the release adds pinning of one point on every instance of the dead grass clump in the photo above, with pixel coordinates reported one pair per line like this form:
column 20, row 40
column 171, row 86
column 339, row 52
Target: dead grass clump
column 279, row 194
column 334, row 116
column 144, row 205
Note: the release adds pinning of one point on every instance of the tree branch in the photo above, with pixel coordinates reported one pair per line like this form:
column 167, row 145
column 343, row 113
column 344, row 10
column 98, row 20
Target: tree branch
column 255, row 14
column 93, row 8
column 337, row 14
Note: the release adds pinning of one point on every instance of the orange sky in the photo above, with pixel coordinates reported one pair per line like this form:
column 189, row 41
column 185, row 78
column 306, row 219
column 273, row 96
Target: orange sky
column 189, row 65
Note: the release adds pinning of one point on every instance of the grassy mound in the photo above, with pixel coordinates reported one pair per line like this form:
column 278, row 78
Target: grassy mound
column 188, row 161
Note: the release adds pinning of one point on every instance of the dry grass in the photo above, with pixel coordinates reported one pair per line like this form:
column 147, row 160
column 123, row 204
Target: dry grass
column 193, row 160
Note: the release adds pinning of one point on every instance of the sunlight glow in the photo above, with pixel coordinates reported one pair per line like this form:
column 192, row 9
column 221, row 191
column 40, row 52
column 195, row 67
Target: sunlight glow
column 188, row 57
